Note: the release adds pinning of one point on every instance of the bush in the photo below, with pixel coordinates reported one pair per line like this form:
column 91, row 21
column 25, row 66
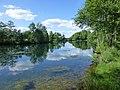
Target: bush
column 106, row 74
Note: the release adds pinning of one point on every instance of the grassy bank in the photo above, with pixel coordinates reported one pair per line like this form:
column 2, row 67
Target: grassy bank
column 104, row 74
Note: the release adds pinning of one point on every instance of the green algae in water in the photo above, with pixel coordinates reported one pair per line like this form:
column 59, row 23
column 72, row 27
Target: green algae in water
column 24, row 85
column 21, row 84
column 55, row 83
column 58, row 69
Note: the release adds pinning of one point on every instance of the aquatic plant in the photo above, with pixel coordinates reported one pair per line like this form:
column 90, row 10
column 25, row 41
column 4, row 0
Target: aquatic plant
column 24, row 85
column 58, row 69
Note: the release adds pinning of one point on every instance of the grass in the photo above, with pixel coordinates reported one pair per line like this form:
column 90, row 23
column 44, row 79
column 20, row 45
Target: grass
column 104, row 74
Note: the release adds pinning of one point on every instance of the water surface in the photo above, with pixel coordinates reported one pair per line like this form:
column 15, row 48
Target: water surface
column 43, row 67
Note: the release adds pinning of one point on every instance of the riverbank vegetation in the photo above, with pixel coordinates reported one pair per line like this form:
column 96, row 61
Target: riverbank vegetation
column 36, row 34
column 80, row 36
column 103, row 16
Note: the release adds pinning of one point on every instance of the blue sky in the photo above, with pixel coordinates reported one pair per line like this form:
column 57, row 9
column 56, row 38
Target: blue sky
column 56, row 15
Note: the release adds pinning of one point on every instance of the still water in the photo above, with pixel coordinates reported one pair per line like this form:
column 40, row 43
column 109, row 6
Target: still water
column 56, row 66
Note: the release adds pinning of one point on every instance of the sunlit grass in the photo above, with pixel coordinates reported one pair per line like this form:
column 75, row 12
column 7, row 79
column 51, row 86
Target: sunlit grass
column 104, row 74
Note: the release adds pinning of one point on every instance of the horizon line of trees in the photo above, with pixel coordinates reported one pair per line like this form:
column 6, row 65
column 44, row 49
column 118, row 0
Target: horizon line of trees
column 80, row 36
column 37, row 34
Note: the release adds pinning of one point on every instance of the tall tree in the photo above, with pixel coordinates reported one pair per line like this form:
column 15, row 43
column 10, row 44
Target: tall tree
column 2, row 25
column 44, row 31
column 101, row 15
column 32, row 27
column 10, row 24
column 51, row 36
column 39, row 25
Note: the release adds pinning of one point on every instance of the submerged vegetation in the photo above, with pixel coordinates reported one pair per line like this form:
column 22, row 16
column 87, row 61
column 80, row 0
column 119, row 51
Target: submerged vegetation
column 58, row 69
column 47, row 83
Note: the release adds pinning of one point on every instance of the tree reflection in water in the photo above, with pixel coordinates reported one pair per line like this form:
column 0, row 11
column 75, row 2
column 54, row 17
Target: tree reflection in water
column 37, row 53
column 81, row 44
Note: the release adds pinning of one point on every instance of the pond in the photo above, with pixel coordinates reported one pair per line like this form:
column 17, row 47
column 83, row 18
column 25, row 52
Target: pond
column 56, row 66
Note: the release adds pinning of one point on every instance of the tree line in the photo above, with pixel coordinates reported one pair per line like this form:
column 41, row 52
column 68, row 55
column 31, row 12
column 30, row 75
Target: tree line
column 80, row 36
column 37, row 33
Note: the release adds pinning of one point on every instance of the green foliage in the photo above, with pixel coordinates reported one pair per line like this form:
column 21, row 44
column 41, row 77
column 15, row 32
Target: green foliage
column 105, row 75
column 102, row 16
column 13, row 36
column 51, row 36
column 32, row 27
column 91, row 39
column 37, row 34
column 80, row 36
column 55, row 37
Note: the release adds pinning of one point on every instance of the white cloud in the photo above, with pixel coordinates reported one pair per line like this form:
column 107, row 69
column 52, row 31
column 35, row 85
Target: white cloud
column 20, row 14
column 1, row 13
column 10, row 6
column 62, row 26
column 60, row 23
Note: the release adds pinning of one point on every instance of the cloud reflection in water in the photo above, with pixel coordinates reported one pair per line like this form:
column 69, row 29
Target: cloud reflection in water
column 22, row 66
column 67, row 52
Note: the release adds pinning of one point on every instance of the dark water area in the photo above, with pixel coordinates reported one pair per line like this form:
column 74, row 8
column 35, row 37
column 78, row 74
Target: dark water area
column 56, row 66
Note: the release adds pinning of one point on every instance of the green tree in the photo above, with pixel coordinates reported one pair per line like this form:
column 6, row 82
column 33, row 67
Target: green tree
column 101, row 15
column 32, row 27
column 80, row 36
column 28, row 36
column 10, row 24
column 44, row 31
column 2, row 25
column 51, row 36
column 10, row 35
column 38, row 36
